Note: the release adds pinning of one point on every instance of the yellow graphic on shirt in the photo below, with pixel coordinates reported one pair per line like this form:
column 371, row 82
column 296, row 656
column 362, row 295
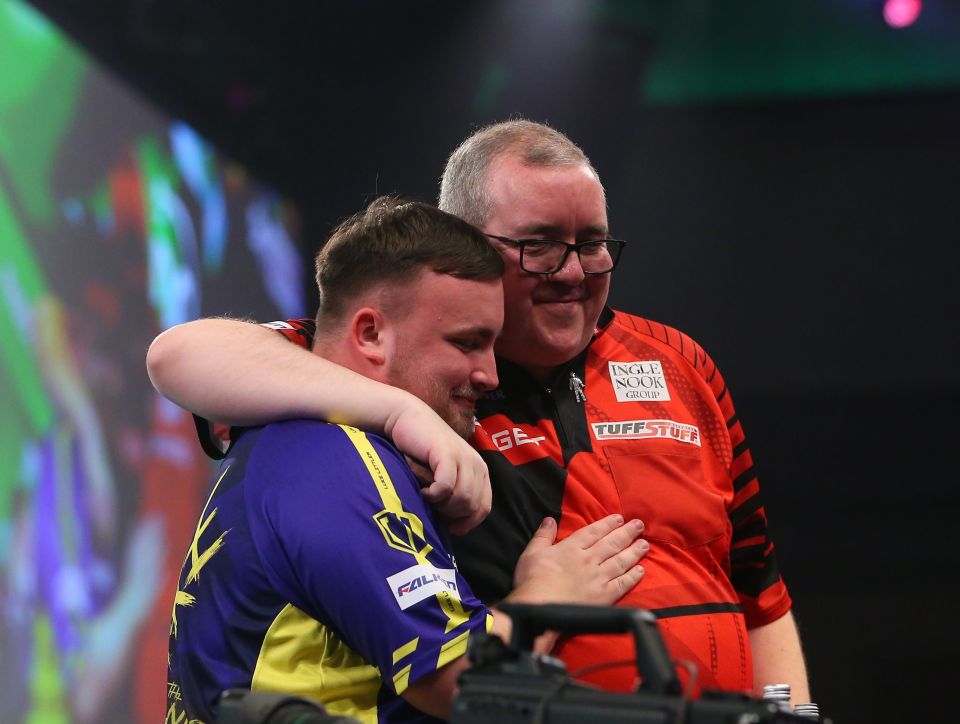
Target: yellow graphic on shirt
column 453, row 649
column 176, row 715
column 402, row 530
column 302, row 657
column 401, row 679
column 196, row 558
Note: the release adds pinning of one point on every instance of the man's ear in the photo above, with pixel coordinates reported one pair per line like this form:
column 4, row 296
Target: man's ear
column 370, row 335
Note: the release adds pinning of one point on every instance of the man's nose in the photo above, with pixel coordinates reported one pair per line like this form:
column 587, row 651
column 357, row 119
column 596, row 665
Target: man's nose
column 571, row 272
column 485, row 375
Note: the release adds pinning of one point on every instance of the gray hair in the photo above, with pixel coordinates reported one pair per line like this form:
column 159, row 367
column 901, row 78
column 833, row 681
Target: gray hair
column 463, row 186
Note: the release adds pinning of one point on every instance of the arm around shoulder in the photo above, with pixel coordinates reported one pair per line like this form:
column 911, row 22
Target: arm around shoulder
column 221, row 369
column 241, row 373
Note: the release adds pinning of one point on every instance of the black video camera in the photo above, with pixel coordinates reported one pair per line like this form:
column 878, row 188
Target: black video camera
column 509, row 684
column 242, row 706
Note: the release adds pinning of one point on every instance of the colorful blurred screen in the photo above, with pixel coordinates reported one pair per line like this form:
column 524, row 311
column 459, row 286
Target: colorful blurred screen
column 116, row 222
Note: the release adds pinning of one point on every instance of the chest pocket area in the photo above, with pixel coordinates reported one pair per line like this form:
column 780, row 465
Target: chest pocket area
column 665, row 488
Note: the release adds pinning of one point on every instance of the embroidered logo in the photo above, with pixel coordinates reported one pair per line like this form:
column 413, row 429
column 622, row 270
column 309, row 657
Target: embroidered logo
column 641, row 429
column 639, row 381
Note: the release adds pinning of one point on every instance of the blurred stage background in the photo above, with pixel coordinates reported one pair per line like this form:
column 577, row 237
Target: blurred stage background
column 787, row 175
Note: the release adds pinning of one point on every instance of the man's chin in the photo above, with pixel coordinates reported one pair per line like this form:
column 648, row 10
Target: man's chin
column 461, row 425
column 559, row 316
column 564, row 337
column 553, row 351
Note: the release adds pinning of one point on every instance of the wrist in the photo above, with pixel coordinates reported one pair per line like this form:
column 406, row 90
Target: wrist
column 398, row 404
column 532, row 592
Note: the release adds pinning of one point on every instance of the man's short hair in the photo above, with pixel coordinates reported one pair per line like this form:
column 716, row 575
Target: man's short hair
column 392, row 241
column 463, row 186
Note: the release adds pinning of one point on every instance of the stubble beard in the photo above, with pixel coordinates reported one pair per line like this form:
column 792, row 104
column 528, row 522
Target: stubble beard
column 439, row 398
column 458, row 418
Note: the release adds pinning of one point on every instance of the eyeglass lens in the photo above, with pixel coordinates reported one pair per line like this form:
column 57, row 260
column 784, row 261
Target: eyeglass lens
column 596, row 257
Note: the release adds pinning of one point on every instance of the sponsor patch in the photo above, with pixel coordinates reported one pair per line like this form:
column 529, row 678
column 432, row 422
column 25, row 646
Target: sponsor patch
column 642, row 429
column 639, row 381
column 422, row 581
column 514, row 437
column 276, row 325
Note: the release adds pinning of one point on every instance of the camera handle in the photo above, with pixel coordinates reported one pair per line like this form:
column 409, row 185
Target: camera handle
column 653, row 661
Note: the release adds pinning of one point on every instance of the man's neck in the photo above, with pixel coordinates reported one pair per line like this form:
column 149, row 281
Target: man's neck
column 543, row 375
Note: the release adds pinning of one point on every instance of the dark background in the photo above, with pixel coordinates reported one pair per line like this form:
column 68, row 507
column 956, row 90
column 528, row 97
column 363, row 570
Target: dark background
column 787, row 176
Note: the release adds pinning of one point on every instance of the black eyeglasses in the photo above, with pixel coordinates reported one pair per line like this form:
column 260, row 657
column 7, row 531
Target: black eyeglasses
column 546, row 256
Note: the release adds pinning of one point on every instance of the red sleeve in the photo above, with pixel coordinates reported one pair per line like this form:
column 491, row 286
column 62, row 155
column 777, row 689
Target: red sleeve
column 753, row 562
column 298, row 331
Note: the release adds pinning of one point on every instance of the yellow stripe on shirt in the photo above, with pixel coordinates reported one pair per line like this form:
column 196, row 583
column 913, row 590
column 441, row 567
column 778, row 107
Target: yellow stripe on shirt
column 451, row 606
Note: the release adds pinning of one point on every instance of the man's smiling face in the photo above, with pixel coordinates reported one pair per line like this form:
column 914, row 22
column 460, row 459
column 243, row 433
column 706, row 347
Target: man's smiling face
column 551, row 318
column 444, row 339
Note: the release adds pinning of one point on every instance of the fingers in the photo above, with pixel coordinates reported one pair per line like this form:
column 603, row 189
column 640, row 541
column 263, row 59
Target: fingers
column 621, row 585
column 436, row 492
column 454, row 476
column 625, row 559
column 463, row 499
column 463, row 524
column 570, row 572
column 606, row 537
column 617, row 540
column 589, row 535
column 543, row 537
column 427, row 478
column 613, row 554
column 485, row 504
column 621, row 570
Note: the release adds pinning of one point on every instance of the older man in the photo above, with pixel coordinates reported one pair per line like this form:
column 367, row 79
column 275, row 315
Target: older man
column 597, row 412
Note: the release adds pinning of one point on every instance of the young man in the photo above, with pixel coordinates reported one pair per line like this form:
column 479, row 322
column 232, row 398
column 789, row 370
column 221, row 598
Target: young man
column 597, row 412
column 316, row 567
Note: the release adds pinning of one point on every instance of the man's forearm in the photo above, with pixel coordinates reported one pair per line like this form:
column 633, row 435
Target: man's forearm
column 244, row 374
column 434, row 693
column 778, row 658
